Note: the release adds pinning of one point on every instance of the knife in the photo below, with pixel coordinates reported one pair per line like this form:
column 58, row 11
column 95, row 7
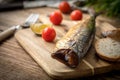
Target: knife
column 10, row 31
column 25, row 4
column 33, row 4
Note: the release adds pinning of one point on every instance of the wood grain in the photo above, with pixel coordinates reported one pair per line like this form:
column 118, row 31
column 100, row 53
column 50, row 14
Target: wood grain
column 16, row 64
column 41, row 53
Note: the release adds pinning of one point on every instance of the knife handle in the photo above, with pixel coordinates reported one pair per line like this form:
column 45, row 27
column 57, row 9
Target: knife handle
column 11, row 6
column 7, row 33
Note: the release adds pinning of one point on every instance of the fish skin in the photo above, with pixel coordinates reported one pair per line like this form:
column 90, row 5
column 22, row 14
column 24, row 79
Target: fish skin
column 75, row 44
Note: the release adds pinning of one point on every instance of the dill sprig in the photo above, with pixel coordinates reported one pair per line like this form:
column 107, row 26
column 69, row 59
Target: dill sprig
column 109, row 7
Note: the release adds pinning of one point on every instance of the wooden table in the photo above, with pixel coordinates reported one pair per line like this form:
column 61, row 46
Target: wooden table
column 16, row 64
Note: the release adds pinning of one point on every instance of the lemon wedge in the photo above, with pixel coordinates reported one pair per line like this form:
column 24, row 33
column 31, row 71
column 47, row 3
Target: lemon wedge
column 37, row 28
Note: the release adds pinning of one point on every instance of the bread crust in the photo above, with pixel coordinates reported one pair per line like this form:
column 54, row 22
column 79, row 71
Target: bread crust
column 102, row 56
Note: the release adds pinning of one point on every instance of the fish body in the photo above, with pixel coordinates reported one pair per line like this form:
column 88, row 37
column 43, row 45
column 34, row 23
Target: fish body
column 74, row 45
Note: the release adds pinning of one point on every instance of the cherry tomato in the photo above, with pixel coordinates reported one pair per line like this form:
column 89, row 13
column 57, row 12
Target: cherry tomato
column 76, row 15
column 64, row 7
column 48, row 34
column 56, row 17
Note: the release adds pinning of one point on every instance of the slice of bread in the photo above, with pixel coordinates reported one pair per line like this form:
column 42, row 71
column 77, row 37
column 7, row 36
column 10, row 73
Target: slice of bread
column 108, row 49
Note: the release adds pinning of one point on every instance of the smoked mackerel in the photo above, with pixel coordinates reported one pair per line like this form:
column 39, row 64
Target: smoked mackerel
column 71, row 49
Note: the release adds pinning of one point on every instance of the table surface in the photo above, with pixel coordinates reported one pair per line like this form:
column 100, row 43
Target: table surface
column 16, row 64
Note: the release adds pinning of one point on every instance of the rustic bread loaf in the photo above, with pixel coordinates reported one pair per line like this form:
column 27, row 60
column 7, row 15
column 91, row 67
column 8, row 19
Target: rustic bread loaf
column 108, row 49
column 114, row 34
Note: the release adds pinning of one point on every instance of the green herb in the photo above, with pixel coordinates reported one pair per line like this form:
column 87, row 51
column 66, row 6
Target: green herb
column 109, row 7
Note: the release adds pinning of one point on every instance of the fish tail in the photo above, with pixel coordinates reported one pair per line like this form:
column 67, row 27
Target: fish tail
column 93, row 13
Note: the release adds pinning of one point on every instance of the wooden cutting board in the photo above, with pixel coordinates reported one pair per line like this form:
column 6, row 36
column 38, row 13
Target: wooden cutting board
column 41, row 52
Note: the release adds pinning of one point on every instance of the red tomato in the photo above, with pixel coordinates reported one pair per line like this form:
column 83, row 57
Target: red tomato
column 48, row 34
column 64, row 7
column 56, row 17
column 76, row 15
